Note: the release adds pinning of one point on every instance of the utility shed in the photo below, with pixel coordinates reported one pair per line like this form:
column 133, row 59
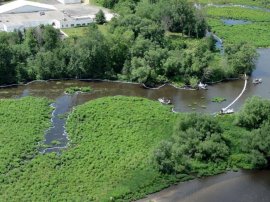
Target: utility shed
column 22, row 6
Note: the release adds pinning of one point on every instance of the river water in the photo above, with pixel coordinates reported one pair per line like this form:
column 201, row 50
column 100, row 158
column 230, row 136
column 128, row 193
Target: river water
column 240, row 186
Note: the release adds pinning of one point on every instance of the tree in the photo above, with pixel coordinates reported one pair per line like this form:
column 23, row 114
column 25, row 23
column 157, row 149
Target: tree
column 7, row 67
column 254, row 113
column 241, row 57
column 197, row 138
column 51, row 37
column 259, row 146
column 100, row 17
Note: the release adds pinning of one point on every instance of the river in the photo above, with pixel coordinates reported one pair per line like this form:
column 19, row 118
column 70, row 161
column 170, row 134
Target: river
column 240, row 186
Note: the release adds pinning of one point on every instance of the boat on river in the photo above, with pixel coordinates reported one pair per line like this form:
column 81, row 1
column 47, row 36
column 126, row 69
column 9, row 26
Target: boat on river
column 257, row 81
column 226, row 111
column 164, row 101
column 202, row 86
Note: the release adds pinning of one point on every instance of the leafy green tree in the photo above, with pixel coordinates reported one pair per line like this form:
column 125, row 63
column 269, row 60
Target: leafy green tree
column 7, row 67
column 30, row 42
column 241, row 57
column 254, row 113
column 100, row 17
column 197, row 138
column 51, row 37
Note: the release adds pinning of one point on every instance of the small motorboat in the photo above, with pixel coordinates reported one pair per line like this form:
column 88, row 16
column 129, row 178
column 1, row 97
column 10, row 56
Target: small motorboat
column 164, row 101
column 257, row 81
column 226, row 111
column 202, row 86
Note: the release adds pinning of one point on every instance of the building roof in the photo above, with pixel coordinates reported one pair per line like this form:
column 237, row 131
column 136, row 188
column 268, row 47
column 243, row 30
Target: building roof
column 14, row 7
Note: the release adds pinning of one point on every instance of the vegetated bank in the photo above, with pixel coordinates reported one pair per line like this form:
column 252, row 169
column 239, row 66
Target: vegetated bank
column 167, row 44
column 123, row 148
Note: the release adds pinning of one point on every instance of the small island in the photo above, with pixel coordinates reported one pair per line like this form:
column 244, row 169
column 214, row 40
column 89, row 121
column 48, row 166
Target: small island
column 218, row 99
column 76, row 89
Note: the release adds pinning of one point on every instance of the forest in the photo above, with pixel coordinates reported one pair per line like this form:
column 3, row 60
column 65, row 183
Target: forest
column 167, row 44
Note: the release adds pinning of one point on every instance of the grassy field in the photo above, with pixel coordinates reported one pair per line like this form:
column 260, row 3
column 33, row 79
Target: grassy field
column 82, row 31
column 23, row 123
column 76, row 31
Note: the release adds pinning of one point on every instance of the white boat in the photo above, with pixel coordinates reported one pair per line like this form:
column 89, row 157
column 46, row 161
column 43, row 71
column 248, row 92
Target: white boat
column 164, row 101
column 227, row 111
column 202, row 86
column 257, row 81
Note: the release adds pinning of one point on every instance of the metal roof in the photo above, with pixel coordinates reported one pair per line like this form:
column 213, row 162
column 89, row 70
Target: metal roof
column 10, row 7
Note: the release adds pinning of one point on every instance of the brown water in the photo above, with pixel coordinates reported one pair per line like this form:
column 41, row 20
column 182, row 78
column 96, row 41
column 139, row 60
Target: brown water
column 230, row 187
column 242, row 186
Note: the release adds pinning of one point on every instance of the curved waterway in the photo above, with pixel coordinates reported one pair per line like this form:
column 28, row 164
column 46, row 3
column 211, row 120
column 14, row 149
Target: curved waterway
column 240, row 186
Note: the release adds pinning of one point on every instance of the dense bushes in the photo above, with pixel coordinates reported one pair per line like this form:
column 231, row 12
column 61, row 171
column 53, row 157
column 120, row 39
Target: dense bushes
column 254, row 116
column 205, row 145
column 196, row 140
column 254, row 113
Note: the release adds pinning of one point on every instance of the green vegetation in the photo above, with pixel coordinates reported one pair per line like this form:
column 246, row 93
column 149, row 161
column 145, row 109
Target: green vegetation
column 205, row 145
column 259, row 3
column 197, row 146
column 254, row 113
column 122, row 148
column 109, row 155
column 218, row 99
column 76, row 89
column 23, row 123
column 143, row 44
column 100, row 17
column 76, row 31
column 255, row 33
column 239, row 13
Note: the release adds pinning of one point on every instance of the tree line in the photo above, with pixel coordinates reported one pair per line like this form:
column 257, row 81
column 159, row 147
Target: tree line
column 150, row 42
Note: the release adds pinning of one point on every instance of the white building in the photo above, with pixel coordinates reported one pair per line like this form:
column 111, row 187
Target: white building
column 21, row 6
column 22, row 14
column 69, row 1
